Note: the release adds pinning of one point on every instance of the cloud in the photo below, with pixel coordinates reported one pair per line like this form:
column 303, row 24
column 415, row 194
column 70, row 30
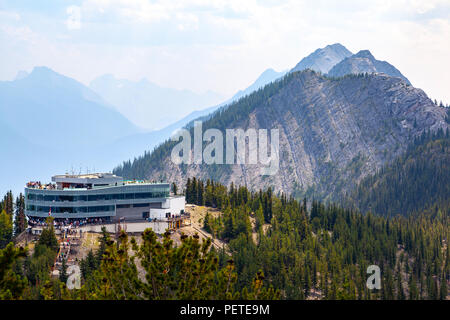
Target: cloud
column 222, row 45
column 73, row 21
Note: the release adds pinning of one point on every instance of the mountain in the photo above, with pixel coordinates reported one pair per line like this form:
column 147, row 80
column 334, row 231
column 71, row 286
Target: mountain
column 55, row 111
column 50, row 123
column 131, row 145
column 416, row 182
column 21, row 74
column 265, row 78
column 333, row 132
column 322, row 60
column 67, row 126
column 149, row 105
column 363, row 62
column 22, row 160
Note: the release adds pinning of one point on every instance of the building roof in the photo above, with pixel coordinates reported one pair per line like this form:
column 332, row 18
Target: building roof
column 87, row 176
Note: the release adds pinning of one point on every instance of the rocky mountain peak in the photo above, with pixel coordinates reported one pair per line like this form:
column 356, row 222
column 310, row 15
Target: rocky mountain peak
column 365, row 54
column 365, row 62
column 323, row 59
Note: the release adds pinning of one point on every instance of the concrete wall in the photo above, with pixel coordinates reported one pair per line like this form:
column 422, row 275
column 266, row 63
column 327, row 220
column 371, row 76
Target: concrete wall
column 173, row 205
column 130, row 214
column 177, row 204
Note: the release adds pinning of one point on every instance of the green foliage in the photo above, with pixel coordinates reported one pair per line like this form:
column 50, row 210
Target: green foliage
column 415, row 182
column 320, row 252
column 63, row 273
column 190, row 271
column 89, row 265
column 6, row 229
column 7, row 204
column 12, row 285
column 20, row 221
column 48, row 237
column 174, row 188
column 6, row 224
column 324, row 252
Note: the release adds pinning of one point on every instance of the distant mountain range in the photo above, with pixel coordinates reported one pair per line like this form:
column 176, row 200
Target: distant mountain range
column 265, row 78
column 148, row 105
column 52, row 110
column 50, row 123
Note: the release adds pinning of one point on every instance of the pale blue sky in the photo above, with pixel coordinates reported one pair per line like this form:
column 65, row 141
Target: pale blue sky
column 220, row 45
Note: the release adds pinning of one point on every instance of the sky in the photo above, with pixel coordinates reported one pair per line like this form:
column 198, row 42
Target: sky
column 220, row 45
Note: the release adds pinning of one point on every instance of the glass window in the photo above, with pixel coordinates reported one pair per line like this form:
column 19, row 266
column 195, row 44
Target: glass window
column 64, row 198
column 118, row 196
column 81, row 198
column 129, row 195
column 140, row 205
column 49, row 198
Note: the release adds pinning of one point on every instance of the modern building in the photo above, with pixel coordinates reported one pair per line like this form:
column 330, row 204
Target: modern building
column 101, row 195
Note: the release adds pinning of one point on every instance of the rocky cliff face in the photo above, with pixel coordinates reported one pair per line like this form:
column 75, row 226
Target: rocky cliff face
column 363, row 62
column 322, row 60
column 333, row 132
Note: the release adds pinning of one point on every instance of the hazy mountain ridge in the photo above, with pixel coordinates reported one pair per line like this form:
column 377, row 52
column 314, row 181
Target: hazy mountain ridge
column 149, row 105
column 51, row 123
column 264, row 78
column 50, row 110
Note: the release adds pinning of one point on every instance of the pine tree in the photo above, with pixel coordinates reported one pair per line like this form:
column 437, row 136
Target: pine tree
column 48, row 237
column 413, row 292
column 189, row 271
column 443, row 292
column 12, row 285
column 174, row 188
column 20, row 221
column 6, row 229
column 188, row 191
column 63, row 273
